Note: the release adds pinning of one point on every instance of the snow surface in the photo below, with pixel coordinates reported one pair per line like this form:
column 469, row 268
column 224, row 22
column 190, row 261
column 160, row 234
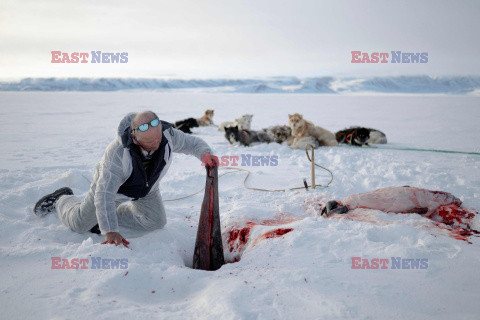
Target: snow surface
column 54, row 139
column 343, row 85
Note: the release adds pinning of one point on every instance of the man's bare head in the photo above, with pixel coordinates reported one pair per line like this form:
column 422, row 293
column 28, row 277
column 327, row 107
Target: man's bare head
column 149, row 140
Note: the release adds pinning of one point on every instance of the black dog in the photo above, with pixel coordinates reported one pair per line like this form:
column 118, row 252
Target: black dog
column 246, row 137
column 360, row 136
column 186, row 125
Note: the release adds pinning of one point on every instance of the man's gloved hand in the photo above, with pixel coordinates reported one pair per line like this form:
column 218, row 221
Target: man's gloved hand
column 209, row 160
column 115, row 237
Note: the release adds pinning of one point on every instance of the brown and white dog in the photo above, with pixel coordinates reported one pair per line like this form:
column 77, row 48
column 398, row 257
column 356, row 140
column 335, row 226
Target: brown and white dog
column 304, row 130
column 207, row 119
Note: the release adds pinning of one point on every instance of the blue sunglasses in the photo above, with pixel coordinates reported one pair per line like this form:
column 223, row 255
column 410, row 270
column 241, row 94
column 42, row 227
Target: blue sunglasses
column 144, row 127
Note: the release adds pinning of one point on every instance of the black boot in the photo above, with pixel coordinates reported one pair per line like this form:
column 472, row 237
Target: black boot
column 47, row 204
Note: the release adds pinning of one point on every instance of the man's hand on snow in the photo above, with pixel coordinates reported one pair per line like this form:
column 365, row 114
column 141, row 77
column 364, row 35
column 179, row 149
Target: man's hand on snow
column 115, row 237
column 209, row 160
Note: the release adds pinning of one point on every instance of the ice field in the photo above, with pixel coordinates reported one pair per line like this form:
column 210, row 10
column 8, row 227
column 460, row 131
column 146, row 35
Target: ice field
column 54, row 139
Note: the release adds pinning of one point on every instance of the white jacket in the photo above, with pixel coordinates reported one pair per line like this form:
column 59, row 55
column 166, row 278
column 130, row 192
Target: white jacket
column 115, row 168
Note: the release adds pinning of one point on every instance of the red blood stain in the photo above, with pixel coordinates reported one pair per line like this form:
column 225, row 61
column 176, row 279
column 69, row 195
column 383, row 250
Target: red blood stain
column 313, row 205
column 455, row 220
column 274, row 233
column 459, row 234
column 278, row 220
column 453, row 215
column 238, row 237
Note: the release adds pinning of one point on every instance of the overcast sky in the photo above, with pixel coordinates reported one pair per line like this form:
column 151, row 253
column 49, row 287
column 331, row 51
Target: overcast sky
column 237, row 38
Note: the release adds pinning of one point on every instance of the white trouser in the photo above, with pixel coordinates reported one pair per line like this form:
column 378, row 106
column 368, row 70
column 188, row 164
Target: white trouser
column 146, row 213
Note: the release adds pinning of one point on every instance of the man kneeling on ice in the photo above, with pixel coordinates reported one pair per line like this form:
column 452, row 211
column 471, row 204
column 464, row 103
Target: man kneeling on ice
column 131, row 168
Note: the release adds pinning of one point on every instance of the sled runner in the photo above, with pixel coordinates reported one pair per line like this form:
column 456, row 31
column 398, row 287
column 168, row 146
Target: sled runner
column 208, row 254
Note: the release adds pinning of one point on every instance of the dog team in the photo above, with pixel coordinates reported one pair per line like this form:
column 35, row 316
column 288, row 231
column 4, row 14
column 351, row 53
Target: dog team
column 297, row 135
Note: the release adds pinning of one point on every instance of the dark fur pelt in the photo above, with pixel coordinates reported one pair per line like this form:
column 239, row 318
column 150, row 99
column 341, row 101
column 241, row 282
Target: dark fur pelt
column 246, row 137
column 360, row 136
column 186, row 125
column 279, row 133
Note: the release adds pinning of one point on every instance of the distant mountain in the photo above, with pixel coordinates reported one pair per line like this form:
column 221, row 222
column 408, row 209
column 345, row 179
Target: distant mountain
column 399, row 84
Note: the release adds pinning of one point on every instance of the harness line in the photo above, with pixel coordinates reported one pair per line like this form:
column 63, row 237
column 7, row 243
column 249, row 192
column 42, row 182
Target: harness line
column 268, row 190
column 426, row 150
